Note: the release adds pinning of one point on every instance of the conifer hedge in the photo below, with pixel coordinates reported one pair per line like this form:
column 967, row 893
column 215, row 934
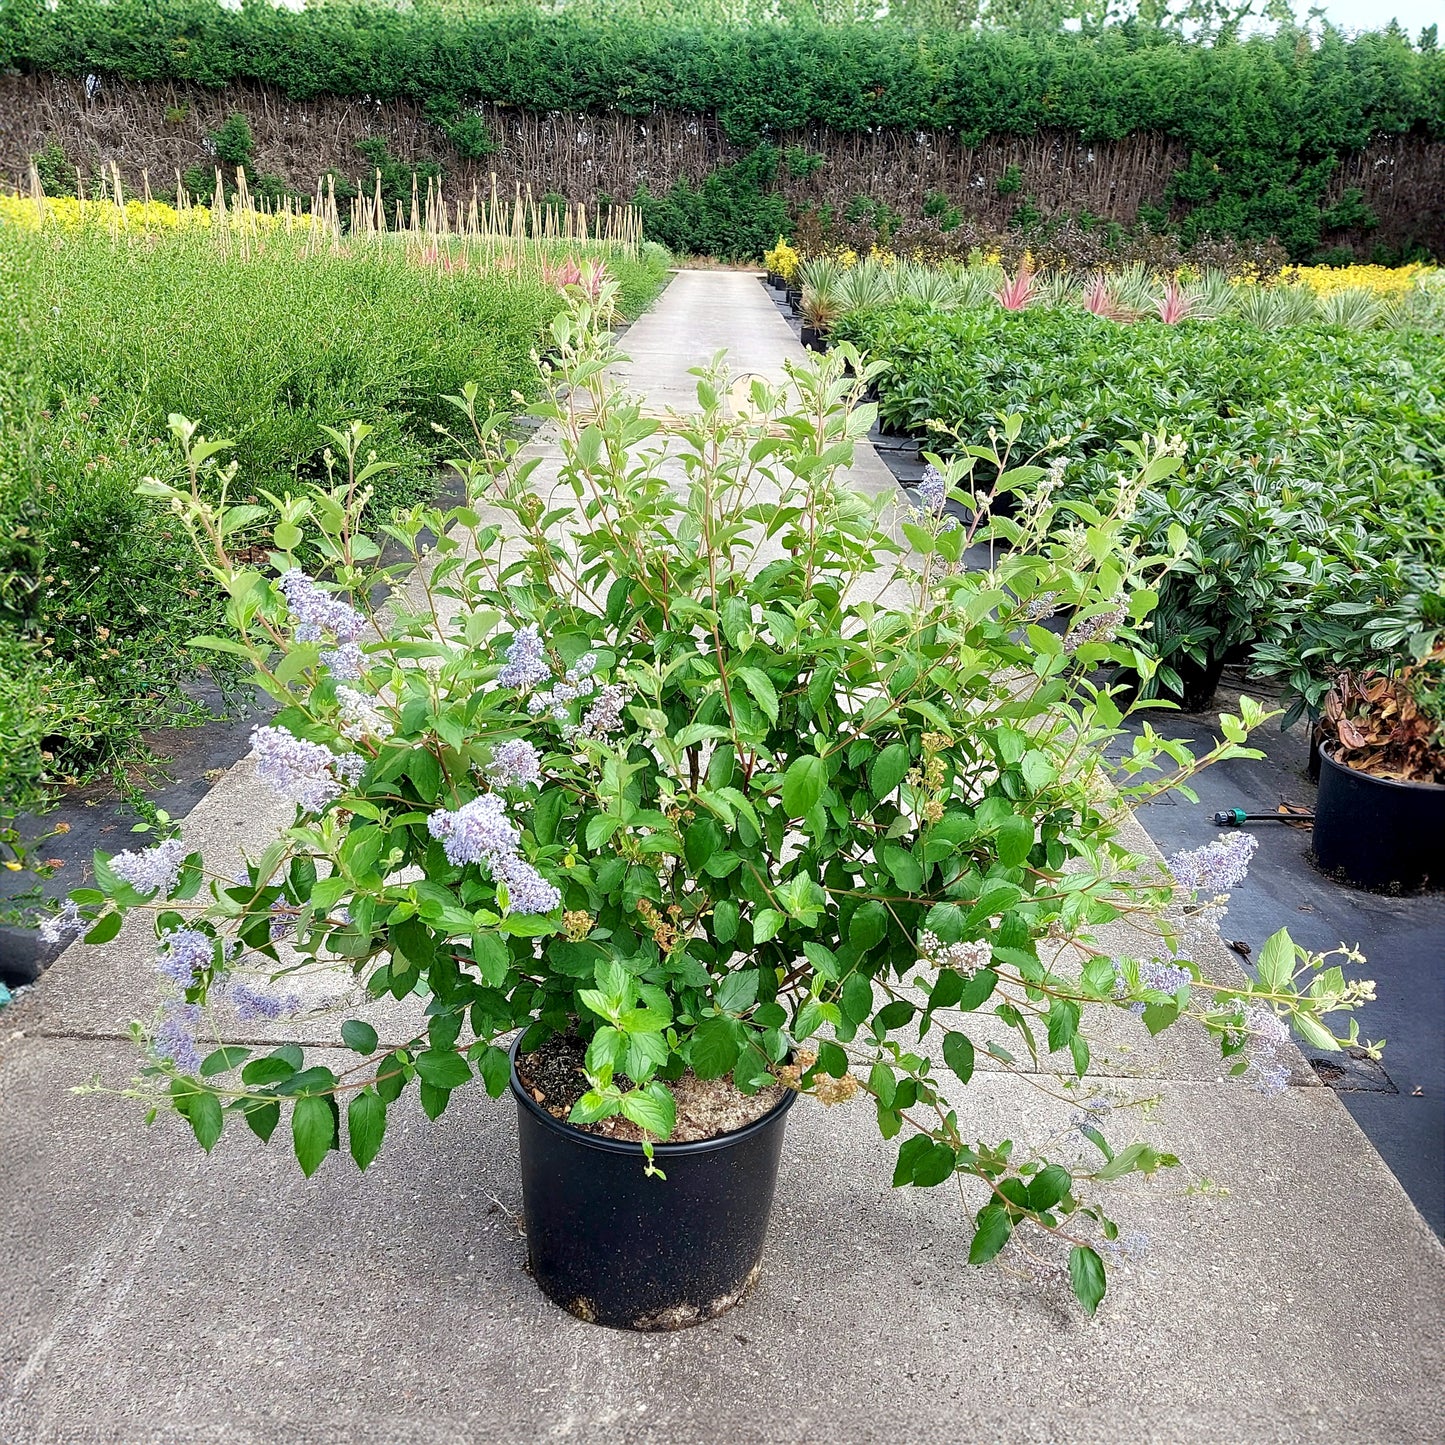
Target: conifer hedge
column 1266, row 120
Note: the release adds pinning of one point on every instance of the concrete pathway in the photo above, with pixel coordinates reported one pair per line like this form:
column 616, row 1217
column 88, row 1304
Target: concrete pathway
column 147, row 1293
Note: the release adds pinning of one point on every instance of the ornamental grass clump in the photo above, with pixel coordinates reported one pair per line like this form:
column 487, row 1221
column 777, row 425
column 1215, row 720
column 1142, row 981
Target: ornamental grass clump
column 691, row 751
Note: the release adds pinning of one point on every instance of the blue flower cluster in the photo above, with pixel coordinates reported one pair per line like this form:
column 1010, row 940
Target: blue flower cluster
column 153, row 870
column 315, row 613
column 481, row 832
column 308, row 773
column 526, row 660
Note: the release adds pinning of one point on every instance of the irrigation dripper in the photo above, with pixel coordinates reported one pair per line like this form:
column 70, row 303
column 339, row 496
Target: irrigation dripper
column 1237, row 818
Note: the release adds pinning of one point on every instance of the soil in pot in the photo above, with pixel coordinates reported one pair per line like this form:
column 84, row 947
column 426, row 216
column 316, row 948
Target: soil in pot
column 1377, row 833
column 614, row 1246
column 706, row 1108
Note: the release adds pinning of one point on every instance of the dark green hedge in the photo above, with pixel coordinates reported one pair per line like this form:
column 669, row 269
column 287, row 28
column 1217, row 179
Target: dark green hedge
column 1266, row 119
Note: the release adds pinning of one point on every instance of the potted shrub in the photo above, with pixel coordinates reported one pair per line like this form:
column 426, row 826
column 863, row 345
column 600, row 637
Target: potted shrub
column 1380, row 815
column 658, row 805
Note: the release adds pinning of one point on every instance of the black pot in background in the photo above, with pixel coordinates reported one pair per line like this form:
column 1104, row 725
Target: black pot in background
column 794, row 297
column 1377, row 833
column 615, row 1247
column 813, row 339
column 1200, row 683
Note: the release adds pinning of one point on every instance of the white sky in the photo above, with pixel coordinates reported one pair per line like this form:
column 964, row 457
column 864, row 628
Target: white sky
column 1413, row 15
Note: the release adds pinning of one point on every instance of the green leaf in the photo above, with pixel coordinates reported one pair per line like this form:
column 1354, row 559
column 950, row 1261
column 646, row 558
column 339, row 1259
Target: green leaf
column 767, row 924
column 701, row 841
column 906, row 870
column 204, row 1112
column 803, row 784
column 652, row 1108
column 894, row 1015
column 365, row 1126
column 262, row 1115
column 738, row 991
column 359, row 1036
column 1048, row 1187
column 313, row 1130
column 857, row 998
column 1086, row 1274
column 935, row 1166
column 1015, row 839
column 725, row 920
column 977, row 990
column 223, row 1059
column 888, row 769
column 958, row 1055
column 443, row 1068
column 270, row 1070
column 909, row 1153
column 715, row 1047
column 105, row 930
column 760, row 687
column 991, row 1234
column 1276, row 960
column 496, row 1071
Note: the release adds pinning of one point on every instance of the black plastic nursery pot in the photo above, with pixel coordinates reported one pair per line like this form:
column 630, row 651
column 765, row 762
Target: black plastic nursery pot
column 794, row 296
column 813, row 338
column 1200, row 683
column 616, row 1247
column 1377, row 833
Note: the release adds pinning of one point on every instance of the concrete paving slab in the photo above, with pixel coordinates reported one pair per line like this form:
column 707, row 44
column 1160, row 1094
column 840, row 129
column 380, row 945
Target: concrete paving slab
column 148, row 1293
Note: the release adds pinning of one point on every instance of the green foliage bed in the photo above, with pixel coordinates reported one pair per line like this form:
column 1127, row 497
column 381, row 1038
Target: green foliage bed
column 1267, row 121
column 1313, row 490
column 98, row 593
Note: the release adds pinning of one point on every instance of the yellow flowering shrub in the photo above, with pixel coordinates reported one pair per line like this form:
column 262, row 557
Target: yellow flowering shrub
column 70, row 214
column 1383, row 281
column 783, row 260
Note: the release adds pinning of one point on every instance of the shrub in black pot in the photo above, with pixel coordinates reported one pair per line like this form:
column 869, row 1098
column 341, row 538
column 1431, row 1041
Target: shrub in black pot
column 1380, row 814
column 712, row 791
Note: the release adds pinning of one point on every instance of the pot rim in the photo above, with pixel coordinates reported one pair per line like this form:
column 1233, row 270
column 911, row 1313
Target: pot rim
column 1327, row 749
column 627, row 1146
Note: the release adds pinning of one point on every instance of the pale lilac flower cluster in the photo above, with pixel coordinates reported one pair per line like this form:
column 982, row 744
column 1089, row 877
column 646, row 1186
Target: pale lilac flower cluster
column 344, row 660
column 256, row 1003
column 185, row 952
column 154, row 870
column 481, row 832
column 1127, row 1249
column 308, row 773
column 515, row 764
column 1267, row 1031
column 526, row 660
column 575, row 685
column 967, row 958
column 1216, row 867
column 66, row 924
column 283, row 919
column 1164, row 975
column 314, row 612
column 359, row 718
column 603, row 717
column 933, row 489
column 1042, row 606
column 1099, row 628
column 176, row 1039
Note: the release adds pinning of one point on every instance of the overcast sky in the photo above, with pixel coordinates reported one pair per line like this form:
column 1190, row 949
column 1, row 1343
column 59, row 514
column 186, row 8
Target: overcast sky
column 1413, row 15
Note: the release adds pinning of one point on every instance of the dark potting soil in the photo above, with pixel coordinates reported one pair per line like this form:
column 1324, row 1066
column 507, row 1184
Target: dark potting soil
column 706, row 1108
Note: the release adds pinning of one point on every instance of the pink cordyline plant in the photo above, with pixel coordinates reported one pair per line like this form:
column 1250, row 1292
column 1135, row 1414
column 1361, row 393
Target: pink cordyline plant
column 589, row 279
column 1174, row 305
column 1017, row 291
column 1099, row 299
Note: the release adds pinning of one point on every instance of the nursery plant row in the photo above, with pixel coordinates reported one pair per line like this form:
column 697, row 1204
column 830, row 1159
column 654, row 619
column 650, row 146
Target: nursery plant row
column 269, row 344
